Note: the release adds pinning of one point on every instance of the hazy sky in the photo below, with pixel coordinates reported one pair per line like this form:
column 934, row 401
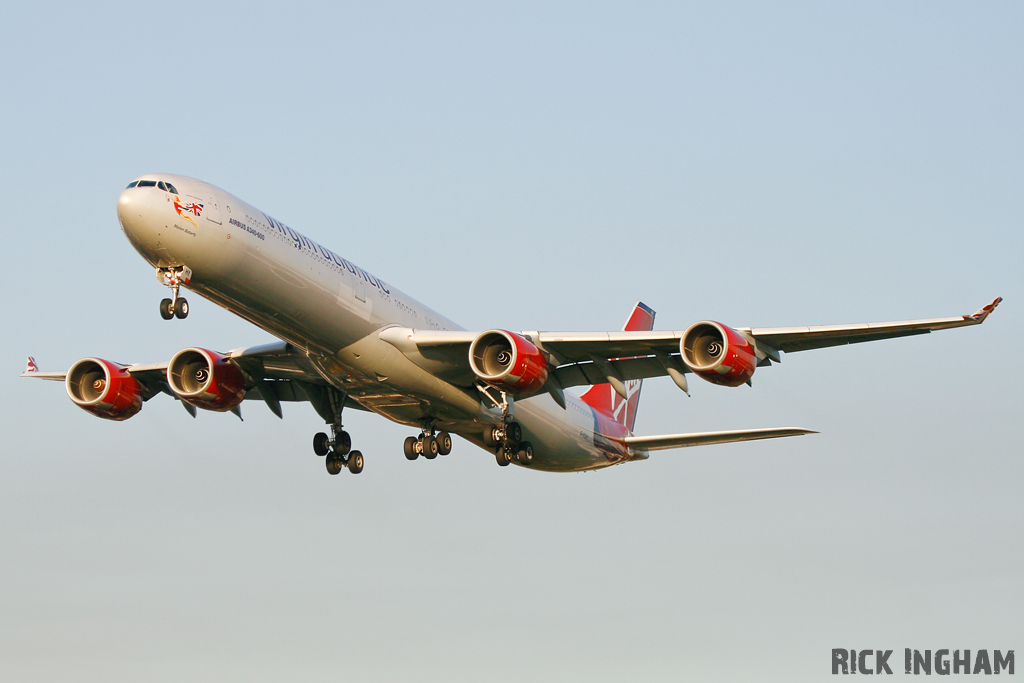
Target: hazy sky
column 529, row 166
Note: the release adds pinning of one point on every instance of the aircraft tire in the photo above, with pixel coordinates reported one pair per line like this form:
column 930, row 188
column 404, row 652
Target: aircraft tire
column 525, row 454
column 334, row 465
column 430, row 447
column 181, row 308
column 444, row 443
column 513, row 433
column 355, row 462
column 343, row 443
column 321, row 444
column 410, row 448
column 503, row 457
column 166, row 312
column 489, row 439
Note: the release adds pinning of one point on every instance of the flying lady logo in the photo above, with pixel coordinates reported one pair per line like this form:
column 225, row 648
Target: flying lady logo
column 185, row 209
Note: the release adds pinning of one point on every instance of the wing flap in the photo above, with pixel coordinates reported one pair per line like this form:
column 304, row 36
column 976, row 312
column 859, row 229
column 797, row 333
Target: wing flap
column 574, row 347
column 583, row 374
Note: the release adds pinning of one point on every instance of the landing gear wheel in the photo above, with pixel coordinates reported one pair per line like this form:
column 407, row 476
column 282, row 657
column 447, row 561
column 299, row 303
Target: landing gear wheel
column 334, row 464
column 321, row 444
column 342, row 443
column 181, row 309
column 525, row 454
column 410, row 448
column 430, row 448
column 503, row 457
column 489, row 439
column 355, row 462
column 444, row 443
column 166, row 309
column 513, row 433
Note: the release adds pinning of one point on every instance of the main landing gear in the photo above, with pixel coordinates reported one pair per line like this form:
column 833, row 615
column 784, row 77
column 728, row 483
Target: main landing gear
column 507, row 440
column 429, row 444
column 339, row 452
column 175, row 307
column 338, row 447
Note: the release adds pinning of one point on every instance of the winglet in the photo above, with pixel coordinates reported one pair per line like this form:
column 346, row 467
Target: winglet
column 983, row 312
column 31, row 365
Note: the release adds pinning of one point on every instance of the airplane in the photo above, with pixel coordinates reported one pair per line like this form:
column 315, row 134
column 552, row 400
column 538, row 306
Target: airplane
column 348, row 339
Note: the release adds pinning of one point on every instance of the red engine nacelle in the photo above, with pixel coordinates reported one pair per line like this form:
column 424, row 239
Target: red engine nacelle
column 718, row 353
column 206, row 379
column 103, row 388
column 508, row 362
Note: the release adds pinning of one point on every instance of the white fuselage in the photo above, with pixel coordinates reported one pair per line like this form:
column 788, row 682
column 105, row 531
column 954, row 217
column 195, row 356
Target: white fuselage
column 301, row 292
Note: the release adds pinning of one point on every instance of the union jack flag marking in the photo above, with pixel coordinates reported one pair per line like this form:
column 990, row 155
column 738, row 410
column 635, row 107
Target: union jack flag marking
column 194, row 208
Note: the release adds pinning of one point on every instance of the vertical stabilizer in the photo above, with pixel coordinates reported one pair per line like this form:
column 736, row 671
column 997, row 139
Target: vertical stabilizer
column 602, row 397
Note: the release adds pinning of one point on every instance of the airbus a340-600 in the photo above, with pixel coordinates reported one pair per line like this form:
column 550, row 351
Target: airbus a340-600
column 350, row 340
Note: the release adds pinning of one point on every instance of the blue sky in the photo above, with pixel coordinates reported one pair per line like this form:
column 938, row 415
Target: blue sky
column 528, row 166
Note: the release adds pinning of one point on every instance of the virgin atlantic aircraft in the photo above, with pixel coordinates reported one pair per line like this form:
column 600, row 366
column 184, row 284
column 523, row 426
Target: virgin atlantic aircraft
column 350, row 340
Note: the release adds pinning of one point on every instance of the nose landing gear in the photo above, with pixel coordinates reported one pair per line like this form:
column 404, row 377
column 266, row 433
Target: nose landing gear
column 174, row 277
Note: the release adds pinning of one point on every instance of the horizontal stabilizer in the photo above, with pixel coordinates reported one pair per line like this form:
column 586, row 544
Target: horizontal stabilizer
column 32, row 370
column 53, row 376
column 665, row 441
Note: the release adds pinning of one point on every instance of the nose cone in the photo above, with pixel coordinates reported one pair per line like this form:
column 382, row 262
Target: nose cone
column 132, row 211
column 136, row 213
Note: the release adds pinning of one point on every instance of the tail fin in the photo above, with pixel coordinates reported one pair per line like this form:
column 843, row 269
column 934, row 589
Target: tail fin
column 603, row 397
column 31, row 365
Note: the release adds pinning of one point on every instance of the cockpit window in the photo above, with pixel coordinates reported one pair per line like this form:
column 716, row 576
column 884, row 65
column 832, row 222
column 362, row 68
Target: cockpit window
column 166, row 187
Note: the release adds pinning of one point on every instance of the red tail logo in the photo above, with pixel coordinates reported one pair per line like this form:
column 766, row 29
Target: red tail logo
column 602, row 397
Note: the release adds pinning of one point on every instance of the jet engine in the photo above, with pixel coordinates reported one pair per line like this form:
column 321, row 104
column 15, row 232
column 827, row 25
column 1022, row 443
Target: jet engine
column 206, row 379
column 508, row 362
column 718, row 354
column 104, row 389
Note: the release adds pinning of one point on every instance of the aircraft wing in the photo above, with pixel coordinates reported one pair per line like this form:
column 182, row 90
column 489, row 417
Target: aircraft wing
column 275, row 373
column 666, row 441
column 790, row 339
column 584, row 358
